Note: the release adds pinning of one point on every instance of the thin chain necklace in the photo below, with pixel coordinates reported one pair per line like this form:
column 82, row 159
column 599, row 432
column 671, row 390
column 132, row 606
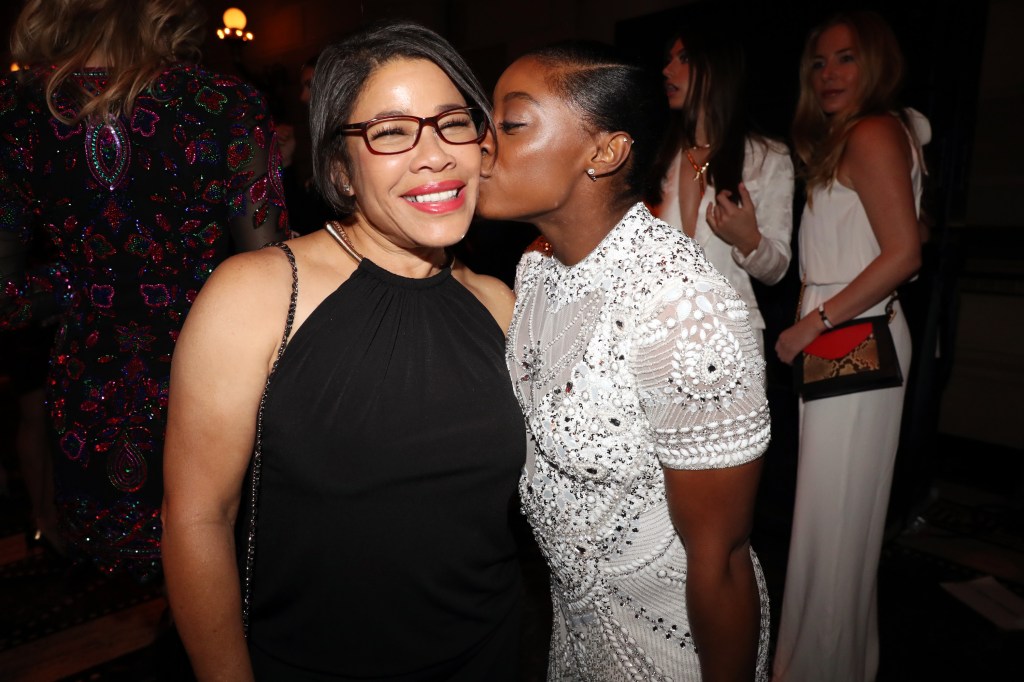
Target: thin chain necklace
column 335, row 229
column 700, row 171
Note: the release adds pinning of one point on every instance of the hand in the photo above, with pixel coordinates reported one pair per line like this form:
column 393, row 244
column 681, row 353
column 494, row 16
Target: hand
column 286, row 142
column 735, row 224
column 796, row 338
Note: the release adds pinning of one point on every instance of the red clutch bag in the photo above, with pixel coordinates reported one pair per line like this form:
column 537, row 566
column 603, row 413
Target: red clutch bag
column 855, row 356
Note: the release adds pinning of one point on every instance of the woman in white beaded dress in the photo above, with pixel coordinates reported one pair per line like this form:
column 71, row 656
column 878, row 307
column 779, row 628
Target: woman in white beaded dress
column 859, row 240
column 728, row 188
column 641, row 382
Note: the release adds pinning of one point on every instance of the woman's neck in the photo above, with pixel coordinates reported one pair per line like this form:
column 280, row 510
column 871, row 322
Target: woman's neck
column 414, row 262
column 700, row 132
column 573, row 235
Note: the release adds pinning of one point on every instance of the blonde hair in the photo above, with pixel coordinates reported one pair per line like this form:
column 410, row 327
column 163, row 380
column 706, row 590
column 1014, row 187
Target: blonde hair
column 136, row 38
column 820, row 140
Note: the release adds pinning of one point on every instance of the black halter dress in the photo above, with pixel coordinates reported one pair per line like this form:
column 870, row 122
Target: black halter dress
column 391, row 449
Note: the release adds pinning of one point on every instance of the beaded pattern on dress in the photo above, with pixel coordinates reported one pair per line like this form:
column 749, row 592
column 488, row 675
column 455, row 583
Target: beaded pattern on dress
column 138, row 209
column 638, row 357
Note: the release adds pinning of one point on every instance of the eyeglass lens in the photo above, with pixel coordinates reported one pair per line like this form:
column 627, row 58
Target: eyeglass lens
column 394, row 135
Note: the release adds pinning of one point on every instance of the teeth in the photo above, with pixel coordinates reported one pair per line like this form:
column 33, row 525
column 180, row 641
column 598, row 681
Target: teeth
column 436, row 196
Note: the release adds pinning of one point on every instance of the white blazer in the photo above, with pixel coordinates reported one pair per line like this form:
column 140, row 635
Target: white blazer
column 768, row 176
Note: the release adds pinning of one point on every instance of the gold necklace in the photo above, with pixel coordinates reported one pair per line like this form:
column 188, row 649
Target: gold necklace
column 338, row 232
column 699, row 170
column 335, row 229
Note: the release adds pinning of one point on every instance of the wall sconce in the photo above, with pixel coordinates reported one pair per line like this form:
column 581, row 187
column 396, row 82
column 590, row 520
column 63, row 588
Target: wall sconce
column 234, row 26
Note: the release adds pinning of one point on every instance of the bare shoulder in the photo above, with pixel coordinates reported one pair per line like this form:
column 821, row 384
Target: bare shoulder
column 247, row 275
column 878, row 134
column 877, row 150
column 249, row 291
column 491, row 291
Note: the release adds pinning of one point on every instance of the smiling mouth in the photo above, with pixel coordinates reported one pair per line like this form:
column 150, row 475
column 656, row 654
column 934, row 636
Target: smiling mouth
column 433, row 197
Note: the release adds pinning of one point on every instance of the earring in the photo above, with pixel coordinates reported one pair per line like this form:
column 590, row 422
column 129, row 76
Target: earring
column 592, row 174
column 346, row 189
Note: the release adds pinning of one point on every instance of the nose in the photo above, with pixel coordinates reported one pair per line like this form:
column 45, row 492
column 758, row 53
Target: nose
column 431, row 151
column 487, row 150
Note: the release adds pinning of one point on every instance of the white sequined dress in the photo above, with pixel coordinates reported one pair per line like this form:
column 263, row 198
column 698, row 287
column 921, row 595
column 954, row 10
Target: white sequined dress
column 638, row 357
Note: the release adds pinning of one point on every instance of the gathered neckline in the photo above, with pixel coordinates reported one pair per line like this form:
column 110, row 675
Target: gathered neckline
column 370, row 268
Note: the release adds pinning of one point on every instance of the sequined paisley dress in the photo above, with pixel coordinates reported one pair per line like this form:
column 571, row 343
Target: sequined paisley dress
column 639, row 357
column 139, row 209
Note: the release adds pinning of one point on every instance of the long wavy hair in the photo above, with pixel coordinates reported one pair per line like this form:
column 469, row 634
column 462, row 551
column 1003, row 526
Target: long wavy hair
column 819, row 140
column 136, row 38
column 717, row 85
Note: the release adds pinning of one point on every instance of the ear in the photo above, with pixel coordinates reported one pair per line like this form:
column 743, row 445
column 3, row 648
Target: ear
column 611, row 152
column 339, row 178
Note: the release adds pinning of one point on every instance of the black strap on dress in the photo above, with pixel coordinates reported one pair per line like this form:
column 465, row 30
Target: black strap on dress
column 257, row 455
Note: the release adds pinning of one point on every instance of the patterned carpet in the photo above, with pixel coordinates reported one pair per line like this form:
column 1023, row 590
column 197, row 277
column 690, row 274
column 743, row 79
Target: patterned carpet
column 40, row 595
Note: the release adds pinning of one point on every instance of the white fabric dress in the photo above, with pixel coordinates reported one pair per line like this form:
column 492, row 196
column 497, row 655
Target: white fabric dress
column 768, row 176
column 829, row 627
column 638, row 357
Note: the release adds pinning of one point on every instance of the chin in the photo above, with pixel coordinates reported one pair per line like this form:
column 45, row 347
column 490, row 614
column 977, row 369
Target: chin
column 443, row 238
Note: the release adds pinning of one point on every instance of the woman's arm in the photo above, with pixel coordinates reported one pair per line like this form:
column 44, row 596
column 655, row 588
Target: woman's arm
column 706, row 405
column 220, row 366
column 768, row 210
column 712, row 511
column 28, row 294
column 877, row 165
column 256, row 205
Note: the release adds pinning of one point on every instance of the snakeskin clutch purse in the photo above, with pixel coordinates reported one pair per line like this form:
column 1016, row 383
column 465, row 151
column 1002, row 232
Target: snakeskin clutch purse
column 858, row 355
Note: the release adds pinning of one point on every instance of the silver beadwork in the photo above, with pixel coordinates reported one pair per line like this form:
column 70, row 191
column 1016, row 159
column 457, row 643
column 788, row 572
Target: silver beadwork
column 639, row 356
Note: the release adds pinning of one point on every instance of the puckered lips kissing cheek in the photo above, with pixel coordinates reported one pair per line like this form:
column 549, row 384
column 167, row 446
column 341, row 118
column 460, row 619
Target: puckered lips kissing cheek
column 437, row 197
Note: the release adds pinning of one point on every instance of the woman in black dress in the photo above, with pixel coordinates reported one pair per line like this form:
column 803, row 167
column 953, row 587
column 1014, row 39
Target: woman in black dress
column 388, row 441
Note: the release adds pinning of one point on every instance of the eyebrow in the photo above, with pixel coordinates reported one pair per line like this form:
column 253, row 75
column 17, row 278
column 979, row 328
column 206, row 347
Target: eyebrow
column 818, row 55
column 519, row 95
column 401, row 112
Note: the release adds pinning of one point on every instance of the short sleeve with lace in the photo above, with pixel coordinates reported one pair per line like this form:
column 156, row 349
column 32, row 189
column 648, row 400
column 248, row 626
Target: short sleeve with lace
column 700, row 377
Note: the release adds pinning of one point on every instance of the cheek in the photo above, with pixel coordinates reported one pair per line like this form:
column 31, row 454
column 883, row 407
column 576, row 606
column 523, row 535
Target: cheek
column 528, row 175
column 374, row 176
column 470, row 159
